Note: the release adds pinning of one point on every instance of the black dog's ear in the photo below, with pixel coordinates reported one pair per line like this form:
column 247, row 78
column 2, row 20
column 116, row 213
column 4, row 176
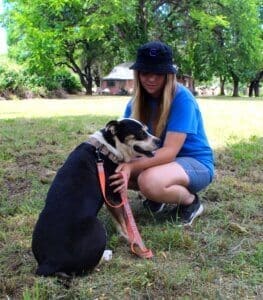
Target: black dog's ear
column 111, row 126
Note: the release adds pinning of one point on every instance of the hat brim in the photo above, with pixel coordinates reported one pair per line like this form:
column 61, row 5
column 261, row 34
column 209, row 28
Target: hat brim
column 154, row 68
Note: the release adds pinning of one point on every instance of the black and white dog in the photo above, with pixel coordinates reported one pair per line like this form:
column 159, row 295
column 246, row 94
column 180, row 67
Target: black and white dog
column 68, row 237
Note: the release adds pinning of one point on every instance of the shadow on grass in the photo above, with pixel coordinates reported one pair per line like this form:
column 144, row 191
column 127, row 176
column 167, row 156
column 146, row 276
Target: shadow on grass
column 231, row 98
column 234, row 197
column 239, row 163
column 32, row 149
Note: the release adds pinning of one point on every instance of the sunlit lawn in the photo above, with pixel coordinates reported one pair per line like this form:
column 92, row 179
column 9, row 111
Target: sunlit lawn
column 223, row 118
column 220, row 257
column 74, row 106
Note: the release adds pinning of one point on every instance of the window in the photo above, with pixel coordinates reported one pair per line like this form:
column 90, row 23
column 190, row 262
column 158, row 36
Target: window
column 110, row 83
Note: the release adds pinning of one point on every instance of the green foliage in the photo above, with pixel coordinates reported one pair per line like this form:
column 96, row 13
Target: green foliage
column 60, row 79
column 67, row 81
column 16, row 80
column 229, row 43
column 7, row 79
column 70, row 33
column 11, row 81
column 210, row 38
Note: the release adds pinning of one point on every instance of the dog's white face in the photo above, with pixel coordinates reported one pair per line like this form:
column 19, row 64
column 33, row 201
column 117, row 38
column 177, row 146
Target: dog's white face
column 132, row 138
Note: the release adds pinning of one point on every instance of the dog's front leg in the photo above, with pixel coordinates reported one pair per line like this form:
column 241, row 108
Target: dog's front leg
column 118, row 217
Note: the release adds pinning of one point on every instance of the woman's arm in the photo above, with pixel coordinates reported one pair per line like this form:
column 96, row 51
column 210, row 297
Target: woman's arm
column 172, row 145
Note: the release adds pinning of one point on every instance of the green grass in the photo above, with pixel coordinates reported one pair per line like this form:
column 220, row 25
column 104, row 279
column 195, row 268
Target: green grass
column 220, row 257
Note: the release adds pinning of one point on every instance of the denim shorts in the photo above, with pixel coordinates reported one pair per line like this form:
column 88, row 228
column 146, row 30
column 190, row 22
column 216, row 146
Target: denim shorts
column 199, row 174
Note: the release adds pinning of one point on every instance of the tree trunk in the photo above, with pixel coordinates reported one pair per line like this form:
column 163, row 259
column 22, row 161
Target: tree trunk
column 254, row 88
column 235, row 85
column 254, row 85
column 251, row 89
column 96, row 75
column 86, row 84
column 84, row 76
column 222, row 86
column 235, row 90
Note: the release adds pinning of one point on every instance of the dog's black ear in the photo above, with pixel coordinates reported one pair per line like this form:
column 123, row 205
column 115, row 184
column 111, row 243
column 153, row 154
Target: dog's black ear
column 111, row 126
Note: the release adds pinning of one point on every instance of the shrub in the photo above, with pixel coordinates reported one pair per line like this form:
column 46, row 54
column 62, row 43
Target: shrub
column 24, row 84
column 10, row 80
column 60, row 80
column 67, row 81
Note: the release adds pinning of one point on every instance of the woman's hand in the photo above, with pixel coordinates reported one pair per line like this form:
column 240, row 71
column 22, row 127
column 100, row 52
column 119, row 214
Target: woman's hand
column 120, row 179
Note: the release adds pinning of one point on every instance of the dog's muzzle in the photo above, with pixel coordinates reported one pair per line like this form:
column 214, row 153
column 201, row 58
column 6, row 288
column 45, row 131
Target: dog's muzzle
column 147, row 152
column 140, row 150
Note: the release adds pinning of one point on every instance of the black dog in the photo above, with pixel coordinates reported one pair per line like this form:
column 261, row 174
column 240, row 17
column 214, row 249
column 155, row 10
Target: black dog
column 68, row 238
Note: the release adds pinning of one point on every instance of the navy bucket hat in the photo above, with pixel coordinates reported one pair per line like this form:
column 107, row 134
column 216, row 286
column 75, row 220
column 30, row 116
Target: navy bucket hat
column 154, row 57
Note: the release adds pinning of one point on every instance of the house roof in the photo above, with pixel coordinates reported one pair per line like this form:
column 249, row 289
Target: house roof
column 120, row 72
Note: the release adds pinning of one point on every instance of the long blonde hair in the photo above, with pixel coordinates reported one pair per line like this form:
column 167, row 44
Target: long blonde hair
column 140, row 108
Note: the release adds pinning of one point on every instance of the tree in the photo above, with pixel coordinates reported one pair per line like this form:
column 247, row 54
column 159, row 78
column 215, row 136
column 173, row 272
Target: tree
column 245, row 51
column 213, row 38
column 234, row 46
column 210, row 38
column 47, row 34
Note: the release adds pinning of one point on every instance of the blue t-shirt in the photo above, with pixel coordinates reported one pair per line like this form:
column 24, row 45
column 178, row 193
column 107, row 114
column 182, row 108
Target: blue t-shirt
column 184, row 117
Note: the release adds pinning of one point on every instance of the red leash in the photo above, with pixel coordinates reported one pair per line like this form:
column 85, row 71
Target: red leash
column 102, row 179
column 137, row 245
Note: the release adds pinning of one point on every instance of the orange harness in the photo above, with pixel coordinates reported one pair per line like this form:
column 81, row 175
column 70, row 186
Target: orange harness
column 136, row 243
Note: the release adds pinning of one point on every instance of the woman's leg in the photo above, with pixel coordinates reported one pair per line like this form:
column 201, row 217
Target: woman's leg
column 177, row 183
column 166, row 183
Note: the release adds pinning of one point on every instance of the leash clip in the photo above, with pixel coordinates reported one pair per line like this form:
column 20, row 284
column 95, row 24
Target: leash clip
column 98, row 155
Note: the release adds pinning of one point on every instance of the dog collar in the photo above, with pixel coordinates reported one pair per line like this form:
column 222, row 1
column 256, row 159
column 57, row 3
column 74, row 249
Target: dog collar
column 103, row 149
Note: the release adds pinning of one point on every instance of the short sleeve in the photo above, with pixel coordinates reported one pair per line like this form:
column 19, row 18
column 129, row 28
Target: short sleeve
column 183, row 116
column 128, row 110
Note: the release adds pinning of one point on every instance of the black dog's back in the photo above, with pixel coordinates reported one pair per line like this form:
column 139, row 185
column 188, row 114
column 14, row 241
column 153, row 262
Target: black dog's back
column 68, row 237
column 77, row 178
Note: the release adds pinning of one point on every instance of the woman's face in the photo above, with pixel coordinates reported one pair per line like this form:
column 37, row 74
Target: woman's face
column 152, row 83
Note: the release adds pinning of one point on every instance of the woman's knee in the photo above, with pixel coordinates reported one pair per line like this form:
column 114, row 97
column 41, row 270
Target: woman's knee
column 149, row 183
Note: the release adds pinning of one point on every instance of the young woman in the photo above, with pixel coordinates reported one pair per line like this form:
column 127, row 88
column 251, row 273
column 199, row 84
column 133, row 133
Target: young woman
column 183, row 165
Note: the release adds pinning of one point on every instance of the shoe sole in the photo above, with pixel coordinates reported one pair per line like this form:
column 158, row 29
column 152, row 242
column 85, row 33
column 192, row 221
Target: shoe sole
column 156, row 211
column 160, row 209
column 198, row 213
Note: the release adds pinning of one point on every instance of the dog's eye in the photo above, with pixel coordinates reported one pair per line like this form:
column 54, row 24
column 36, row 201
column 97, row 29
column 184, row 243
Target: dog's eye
column 142, row 135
